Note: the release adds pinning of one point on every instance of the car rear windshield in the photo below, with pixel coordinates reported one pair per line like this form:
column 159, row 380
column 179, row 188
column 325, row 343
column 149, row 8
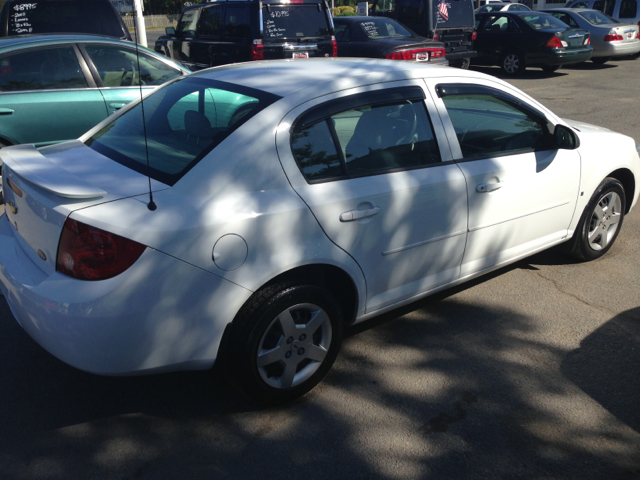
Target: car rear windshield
column 542, row 22
column 297, row 22
column 73, row 16
column 376, row 28
column 597, row 18
column 184, row 121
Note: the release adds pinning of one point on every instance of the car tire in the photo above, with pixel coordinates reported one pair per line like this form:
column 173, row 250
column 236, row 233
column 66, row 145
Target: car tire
column 464, row 64
column 284, row 341
column 600, row 222
column 600, row 60
column 551, row 68
column 512, row 63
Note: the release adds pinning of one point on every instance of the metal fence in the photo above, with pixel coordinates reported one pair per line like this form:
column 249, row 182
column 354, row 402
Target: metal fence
column 170, row 20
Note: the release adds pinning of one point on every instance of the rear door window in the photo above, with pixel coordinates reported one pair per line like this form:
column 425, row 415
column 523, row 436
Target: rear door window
column 295, row 22
column 78, row 16
column 45, row 69
column 628, row 9
column 605, row 6
column 237, row 25
column 211, row 21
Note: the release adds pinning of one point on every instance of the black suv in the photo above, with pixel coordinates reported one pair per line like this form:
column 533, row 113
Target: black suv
column 19, row 17
column 222, row 32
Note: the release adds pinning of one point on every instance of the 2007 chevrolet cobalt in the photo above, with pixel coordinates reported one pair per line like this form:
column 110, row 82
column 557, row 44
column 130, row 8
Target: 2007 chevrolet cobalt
column 291, row 198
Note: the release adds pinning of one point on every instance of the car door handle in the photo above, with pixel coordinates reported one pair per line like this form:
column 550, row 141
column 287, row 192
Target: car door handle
column 117, row 106
column 489, row 187
column 352, row 215
column 5, row 111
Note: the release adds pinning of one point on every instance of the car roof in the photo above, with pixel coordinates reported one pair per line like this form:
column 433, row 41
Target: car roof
column 45, row 39
column 284, row 77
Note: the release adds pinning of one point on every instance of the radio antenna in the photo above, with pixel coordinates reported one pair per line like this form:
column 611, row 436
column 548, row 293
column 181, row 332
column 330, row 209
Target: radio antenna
column 151, row 205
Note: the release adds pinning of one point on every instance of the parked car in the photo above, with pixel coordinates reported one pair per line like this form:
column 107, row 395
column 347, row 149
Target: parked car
column 626, row 11
column 379, row 37
column 516, row 40
column 291, row 199
column 502, row 7
column 18, row 17
column 609, row 38
column 449, row 22
column 56, row 87
column 213, row 34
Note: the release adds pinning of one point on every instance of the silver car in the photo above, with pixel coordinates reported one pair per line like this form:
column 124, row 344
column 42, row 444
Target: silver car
column 627, row 11
column 609, row 37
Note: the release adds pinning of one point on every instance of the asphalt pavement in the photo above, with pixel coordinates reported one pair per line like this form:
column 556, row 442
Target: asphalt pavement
column 530, row 372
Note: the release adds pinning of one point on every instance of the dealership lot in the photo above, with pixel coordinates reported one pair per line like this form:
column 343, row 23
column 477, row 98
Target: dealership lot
column 530, row 372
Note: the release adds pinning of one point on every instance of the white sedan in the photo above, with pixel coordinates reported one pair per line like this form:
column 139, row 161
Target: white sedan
column 289, row 199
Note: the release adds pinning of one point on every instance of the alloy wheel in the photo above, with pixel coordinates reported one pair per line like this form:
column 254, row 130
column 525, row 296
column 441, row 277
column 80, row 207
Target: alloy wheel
column 604, row 221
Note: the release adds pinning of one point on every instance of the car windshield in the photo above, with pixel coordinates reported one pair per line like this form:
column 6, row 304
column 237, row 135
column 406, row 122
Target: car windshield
column 376, row 28
column 77, row 16
column 595, row 17
column 543, row 21
column 185, row 120
column 299, row 22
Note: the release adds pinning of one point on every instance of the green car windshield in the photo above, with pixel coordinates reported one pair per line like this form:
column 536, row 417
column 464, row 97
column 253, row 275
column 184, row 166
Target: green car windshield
column 185, row 120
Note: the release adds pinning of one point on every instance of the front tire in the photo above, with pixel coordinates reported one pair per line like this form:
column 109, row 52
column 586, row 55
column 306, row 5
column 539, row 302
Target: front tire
column 601, row 221
column 512, row 64
column 284, row 342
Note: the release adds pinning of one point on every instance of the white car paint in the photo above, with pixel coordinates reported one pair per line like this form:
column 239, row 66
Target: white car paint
column 169, row 310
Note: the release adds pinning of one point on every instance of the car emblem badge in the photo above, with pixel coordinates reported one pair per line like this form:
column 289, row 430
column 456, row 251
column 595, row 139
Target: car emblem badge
column 13, row 207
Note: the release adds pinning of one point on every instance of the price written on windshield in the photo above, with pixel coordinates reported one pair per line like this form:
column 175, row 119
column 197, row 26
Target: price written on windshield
column 279, row 13
column 25, row 6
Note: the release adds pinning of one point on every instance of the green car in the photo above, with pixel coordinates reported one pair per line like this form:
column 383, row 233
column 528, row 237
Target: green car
column 54, row 88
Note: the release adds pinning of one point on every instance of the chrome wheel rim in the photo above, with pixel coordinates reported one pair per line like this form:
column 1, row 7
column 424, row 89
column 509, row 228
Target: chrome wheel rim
column 511, row 63
column 294, row 346
column 604, row 221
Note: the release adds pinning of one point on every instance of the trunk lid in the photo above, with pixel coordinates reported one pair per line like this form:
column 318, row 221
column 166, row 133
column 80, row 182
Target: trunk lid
column 573, row 38
column 42, row 187
column 627, row 32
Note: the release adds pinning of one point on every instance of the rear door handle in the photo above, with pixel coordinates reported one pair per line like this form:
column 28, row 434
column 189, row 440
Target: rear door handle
column 5, row 111
column 352, row 215
column 488, row 187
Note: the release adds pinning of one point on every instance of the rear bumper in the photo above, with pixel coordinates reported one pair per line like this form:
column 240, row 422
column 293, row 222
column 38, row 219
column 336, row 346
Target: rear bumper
column 617, row 49
column 559, row 56
column 160, row 315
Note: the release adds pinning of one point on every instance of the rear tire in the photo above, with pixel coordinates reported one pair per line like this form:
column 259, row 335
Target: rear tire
column 600, row 60
column 284, row 341
column 600, row 223
column 512, row 64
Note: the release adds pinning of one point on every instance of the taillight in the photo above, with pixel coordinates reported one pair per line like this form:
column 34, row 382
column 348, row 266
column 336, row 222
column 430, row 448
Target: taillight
column 612, row 36
column 257, row 50
column 414, row 54
column 554, row 42
column 474, row 35
column 334, row 47
column 89, row 253
column 588, row 42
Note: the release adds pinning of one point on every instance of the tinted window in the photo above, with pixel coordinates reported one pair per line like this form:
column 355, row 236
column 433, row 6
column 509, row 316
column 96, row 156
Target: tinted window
column 628, row 9
column 294, row 22
column 605, row 6
column 342, row 33
column 185, row 120
column 118, row 67
column 188, row 22
column 540, row 22
column 210, row 21
column 47, row 69
column 408, row 11
column 383, row 28
column 236, row 23
column 597, row 18
column 371, row 139
column 499, row 24
column 79, row 16
column 487, row 124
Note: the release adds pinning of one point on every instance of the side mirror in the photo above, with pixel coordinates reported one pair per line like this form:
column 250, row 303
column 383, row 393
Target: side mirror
column 566, row 139
column 170, row 31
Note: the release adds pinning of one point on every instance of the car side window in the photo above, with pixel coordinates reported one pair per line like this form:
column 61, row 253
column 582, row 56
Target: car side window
column 188, row 22
column 236, row 23
column 492, row 124
column 118, row 67
column 581, row 5
column 605, row 6
column 42, row 69
column 628, row 9
column 366, row 140
column 343, row 33
column 210, row 21
column 496, row 24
